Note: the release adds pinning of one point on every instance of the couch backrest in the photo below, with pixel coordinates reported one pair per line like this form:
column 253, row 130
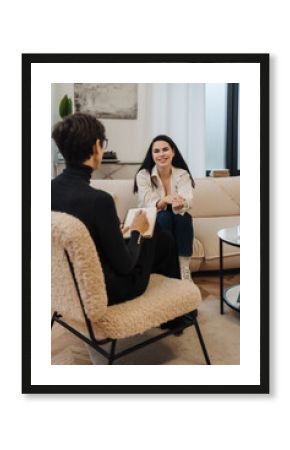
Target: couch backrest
column 69, row 234
column 122, row 192
column 216, row 197
column 213, row 197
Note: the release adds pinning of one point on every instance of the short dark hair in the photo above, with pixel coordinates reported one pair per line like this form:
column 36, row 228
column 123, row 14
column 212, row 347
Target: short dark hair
column 149, row 163
column 75, row 136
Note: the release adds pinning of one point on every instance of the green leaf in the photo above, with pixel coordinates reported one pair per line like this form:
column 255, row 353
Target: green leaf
column 65, row 107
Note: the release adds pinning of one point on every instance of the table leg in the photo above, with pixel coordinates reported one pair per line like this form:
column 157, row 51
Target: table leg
column 221, row 278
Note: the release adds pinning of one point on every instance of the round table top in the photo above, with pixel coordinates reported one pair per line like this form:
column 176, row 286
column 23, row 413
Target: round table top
column 230, row 235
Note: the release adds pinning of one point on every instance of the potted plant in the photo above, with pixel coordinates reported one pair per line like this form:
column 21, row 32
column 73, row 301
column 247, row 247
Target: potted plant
column 65, row 108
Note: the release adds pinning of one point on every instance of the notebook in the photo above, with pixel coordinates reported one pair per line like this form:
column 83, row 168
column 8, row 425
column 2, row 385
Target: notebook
column 151, row 213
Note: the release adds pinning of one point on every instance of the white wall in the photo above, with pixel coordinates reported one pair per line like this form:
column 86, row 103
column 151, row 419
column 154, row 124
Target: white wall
column 58, row 90
column 128, row 138
column 174, row 109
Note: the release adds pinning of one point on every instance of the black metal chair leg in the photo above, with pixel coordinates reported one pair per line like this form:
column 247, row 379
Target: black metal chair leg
column 55, row 316
column 201, row 341
column 112, row 353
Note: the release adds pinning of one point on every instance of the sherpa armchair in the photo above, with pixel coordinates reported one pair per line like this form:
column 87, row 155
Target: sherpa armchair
column 79, row 299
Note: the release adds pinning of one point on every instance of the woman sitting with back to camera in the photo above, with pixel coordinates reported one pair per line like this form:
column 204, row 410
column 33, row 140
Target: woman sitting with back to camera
column 164, row 181
column 127, row 264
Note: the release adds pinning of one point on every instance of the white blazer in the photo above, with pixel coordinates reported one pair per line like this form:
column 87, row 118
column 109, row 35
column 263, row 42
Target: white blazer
column 149, row 195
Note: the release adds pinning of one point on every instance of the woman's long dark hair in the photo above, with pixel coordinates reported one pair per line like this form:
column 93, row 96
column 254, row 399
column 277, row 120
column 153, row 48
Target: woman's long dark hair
column 149, row 163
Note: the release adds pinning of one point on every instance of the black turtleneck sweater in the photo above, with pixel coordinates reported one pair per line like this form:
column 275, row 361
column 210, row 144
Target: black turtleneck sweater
column 71, row 193
column 127, row 265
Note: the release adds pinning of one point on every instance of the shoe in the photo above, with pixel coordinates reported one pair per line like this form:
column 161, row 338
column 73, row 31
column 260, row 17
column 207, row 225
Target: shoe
column 185, row 273
column 175, row 323
column 191, row 315
column 184, row 262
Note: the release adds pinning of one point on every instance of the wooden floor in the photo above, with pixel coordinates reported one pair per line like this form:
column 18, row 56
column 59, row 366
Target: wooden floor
column 68, row 349
column 209, row 283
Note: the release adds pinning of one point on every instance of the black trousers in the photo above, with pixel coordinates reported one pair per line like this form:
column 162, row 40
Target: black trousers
column 158, row 255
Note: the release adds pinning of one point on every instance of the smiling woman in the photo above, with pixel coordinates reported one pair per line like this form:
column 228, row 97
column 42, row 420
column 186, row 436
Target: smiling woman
column 164, row 181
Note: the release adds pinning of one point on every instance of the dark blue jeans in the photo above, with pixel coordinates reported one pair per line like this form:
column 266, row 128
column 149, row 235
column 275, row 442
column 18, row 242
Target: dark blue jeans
column 180, row 226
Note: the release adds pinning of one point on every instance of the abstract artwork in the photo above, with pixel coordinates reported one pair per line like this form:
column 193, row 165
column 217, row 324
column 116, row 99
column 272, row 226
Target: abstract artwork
column 106, row 100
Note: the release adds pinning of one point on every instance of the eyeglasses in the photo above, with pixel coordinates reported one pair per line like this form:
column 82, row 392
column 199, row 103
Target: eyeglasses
column 105, row 143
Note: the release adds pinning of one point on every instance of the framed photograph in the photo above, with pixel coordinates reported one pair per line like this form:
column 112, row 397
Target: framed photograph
column 215, row 108
column 106, row 100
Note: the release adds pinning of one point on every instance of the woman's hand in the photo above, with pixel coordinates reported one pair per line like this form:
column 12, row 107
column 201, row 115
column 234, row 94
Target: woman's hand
column 177, row 203
column 124, row 229
column 167, row 200
column 140, row 222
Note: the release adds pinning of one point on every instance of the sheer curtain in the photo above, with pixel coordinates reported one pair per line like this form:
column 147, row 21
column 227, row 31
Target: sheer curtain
column 178, row 110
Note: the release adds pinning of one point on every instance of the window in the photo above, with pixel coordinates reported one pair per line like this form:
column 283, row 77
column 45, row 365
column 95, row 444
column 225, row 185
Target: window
column 222, row 127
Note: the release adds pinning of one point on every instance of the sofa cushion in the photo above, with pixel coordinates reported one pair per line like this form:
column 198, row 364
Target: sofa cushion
column 206, row 229
column 215, row 197
column 122, row 192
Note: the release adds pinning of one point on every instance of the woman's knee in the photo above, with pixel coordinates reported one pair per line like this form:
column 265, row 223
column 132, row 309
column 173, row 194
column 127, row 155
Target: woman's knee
column 164, row 218
column 183, row 221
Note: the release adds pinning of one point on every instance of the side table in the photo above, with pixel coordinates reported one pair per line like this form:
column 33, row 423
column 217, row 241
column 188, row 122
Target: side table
column 230, row 296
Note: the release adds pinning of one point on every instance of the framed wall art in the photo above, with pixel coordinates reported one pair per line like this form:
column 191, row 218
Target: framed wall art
column 106, row 100
column 223, row 349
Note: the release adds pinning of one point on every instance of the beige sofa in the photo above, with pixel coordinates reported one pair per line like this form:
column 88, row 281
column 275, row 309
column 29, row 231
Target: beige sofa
column 216, row 205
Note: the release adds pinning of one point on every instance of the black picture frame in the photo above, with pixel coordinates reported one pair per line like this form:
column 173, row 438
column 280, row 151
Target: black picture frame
column 263, row 61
